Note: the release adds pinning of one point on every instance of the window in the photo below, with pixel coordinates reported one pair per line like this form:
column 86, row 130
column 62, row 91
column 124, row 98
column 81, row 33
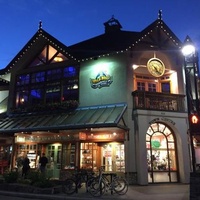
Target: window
column 146, row 86
column 36, row 95
column 69, row 71
column 38, row 77
column 53, row 86
column 165, row 87
column 32, row 151
column 88, row 156
column 47, row 56
column 23, row 79
column 69, row 152
column 54, row 74
column 151, row 87
column 53, row 93
column 141, row 86
column 161, row 152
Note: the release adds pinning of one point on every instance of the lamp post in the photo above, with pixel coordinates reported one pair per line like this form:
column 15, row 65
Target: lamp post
column 191, row 76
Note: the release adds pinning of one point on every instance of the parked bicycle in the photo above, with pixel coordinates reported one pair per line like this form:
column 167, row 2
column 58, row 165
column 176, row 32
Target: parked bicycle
column 76, row 181
column 97, row 186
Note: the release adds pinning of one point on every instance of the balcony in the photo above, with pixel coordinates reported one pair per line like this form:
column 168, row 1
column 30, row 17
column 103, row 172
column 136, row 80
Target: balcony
column 158, row 101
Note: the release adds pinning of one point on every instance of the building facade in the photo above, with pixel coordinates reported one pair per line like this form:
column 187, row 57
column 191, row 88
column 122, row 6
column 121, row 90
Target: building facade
column 116, row 100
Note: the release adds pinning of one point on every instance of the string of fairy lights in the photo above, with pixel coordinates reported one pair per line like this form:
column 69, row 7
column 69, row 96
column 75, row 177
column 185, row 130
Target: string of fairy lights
column 41, row 33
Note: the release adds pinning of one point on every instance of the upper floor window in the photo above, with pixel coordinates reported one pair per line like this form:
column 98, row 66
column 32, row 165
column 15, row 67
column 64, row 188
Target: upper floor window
column 52, row 87
column 23, row 79
column 152, row 87
column 54, row 74
column 165, row 87
column 141, row 86
column 146, row 86
column 152, row 84
column 38, row 77
column 69, row 71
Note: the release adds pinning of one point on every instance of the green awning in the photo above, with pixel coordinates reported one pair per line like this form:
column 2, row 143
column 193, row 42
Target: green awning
column 81, row 118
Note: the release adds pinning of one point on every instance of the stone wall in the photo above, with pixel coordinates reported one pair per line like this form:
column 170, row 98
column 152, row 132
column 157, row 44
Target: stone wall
column 131, row 177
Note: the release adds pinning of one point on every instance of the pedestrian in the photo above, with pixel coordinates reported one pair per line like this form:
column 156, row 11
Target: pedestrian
column 43, row 161
column 25, row 166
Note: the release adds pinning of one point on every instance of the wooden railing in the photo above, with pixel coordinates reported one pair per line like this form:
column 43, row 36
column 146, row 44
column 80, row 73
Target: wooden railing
column 158, row 101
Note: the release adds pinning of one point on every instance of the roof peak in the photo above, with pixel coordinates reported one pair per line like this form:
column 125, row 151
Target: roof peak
column 160, row 14
column 112, row 25
column 40, row 24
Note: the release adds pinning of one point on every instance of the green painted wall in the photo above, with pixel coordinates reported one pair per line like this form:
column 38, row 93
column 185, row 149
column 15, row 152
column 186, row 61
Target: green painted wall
column 115, row 93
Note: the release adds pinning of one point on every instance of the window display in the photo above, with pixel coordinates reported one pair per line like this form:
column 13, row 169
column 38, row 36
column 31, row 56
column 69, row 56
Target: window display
column 31, row 150
column 120, row 162
column 88, row 156
column 69, row 152
column 113, row 157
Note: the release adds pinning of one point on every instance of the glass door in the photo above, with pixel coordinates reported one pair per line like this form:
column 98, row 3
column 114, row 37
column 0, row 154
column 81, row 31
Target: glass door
column 161, row 154
column 113, row 157
column 54, row 157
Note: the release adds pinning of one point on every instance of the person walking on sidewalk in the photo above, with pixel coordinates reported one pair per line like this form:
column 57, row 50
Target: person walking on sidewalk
column 43, row 162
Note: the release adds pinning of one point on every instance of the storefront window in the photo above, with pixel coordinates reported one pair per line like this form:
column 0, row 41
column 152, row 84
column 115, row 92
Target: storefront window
column 160, row 144
column 33, row 151
column 69, row 155
column 120, row 160
column 88, row 156
column 113, row 157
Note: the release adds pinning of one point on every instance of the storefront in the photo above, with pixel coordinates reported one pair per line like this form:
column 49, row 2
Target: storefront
column 87, row 138
column 65, row 151
column 163, row 144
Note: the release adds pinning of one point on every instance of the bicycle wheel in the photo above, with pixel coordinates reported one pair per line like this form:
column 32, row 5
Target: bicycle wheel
column 120, row 185
column 95, row 187
column 69, row 186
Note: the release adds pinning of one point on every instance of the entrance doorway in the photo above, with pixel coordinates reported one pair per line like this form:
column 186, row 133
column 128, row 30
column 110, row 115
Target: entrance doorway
column 109, row 155
column 112, row 157
column 53, row 152
column 161, row 154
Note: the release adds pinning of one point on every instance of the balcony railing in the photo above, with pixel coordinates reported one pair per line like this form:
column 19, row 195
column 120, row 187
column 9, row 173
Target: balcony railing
column 158, row 101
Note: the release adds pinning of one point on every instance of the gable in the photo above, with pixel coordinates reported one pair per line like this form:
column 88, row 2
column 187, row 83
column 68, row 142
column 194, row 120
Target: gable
column 157, row 36
column 41, row 48
column 47, row 56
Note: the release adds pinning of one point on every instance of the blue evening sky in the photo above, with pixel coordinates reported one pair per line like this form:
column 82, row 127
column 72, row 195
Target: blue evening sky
column 72, row 21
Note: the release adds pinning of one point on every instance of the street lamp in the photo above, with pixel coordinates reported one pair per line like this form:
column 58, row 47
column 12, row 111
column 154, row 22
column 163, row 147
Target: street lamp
column 191, row 76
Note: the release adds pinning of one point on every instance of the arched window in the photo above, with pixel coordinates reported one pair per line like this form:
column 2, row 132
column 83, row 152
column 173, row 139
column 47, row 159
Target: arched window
column 161, row 153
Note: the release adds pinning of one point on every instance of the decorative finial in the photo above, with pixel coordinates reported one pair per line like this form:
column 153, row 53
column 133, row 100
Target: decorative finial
column 40, row 24
column 160, row 14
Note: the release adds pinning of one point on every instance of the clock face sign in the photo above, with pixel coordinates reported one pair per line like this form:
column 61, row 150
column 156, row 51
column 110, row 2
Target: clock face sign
column 156, row 67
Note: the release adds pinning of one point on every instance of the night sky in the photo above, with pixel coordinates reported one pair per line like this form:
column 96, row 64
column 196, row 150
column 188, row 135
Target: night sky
column 72, row 21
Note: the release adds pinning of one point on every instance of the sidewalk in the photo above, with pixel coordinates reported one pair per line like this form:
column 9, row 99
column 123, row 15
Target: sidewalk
column 150, row 192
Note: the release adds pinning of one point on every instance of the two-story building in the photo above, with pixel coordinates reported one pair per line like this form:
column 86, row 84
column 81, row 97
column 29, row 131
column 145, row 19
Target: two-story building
column 115, row 100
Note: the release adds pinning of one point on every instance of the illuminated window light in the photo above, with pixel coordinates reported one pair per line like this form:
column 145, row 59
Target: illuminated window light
column 58, row 59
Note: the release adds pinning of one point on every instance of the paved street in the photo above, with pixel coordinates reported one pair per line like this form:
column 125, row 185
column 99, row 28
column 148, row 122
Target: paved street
column 150, row 192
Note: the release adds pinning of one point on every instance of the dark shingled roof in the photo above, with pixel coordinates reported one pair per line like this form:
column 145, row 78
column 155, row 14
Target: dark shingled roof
column 103, row 44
